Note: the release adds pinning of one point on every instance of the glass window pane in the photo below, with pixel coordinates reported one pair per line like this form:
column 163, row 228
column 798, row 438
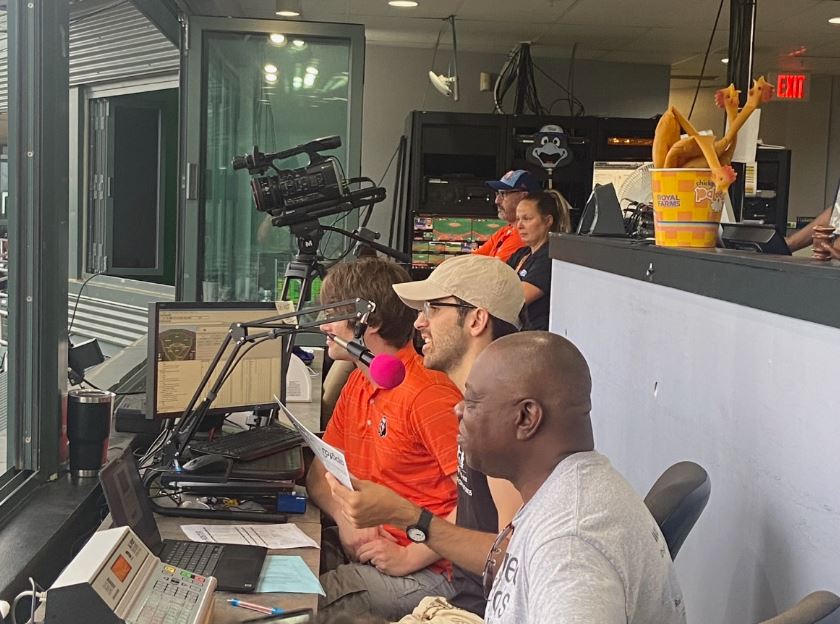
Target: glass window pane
column 275, row 92
column 5, row 457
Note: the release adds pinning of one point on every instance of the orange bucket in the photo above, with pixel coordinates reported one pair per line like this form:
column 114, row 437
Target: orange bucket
column 686, row 207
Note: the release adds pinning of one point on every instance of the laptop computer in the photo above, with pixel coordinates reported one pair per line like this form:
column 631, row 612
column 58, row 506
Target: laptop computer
column 236, row 567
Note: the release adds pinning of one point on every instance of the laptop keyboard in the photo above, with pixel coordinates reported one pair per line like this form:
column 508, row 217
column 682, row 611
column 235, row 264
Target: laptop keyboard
column 198, row 557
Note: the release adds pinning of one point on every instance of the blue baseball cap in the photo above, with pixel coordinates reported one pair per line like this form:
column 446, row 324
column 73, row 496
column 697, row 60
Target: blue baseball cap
column 517, row 180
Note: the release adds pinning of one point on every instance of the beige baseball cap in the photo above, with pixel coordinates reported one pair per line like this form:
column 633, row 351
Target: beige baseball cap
column 481, row 281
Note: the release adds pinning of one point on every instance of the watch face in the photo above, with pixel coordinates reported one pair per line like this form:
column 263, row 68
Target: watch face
column 416, row 534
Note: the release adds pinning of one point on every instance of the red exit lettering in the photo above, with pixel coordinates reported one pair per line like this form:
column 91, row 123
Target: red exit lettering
column 790, row 86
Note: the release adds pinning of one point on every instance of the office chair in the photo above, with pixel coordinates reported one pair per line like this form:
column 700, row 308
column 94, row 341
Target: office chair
column 677, row 499
column 820, row 607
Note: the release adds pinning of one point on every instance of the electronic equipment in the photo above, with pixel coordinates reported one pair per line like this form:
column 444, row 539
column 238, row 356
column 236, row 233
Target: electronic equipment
column 236, row 567
column 602, row 215
column 615, row 173
column 183, row 340
column 459, row 195
column 754, row 237
column 285, row 465
column 296, row 196
column 251, row 444
column 116, row 579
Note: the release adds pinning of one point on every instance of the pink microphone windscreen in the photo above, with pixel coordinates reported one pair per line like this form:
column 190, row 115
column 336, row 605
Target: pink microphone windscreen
column 387, row 371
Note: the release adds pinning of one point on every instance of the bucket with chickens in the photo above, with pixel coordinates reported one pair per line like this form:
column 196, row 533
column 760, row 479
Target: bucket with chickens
column 686, row 207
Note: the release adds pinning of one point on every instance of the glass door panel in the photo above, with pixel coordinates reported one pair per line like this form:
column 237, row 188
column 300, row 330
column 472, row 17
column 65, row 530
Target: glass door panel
column 274, row 89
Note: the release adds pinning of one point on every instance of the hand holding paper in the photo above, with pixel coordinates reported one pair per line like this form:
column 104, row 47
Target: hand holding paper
column 331, row 457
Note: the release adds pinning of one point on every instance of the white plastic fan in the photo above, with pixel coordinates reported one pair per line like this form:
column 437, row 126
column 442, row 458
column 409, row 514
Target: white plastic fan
column 636, row 188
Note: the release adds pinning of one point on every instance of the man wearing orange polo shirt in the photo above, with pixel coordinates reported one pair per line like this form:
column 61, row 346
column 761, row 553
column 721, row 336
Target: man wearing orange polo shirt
column 510, row 190
column 404, row 438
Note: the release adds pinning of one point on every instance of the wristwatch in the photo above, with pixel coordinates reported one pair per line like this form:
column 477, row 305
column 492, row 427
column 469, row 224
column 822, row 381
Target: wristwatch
column 419, row 531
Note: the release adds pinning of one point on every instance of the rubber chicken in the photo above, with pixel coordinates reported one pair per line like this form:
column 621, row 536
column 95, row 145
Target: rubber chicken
column 686, row 153
column 722, row 175
column 667, row 134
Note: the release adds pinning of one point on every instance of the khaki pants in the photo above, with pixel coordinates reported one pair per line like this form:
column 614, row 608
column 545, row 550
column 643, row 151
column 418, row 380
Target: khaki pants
column 436, row 610
column 358, row 589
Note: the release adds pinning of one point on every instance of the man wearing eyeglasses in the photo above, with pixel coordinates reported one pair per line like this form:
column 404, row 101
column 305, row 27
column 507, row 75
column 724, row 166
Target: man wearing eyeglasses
column 510, row 190
column 404, row 438
column 583, row 547
column 464, row 305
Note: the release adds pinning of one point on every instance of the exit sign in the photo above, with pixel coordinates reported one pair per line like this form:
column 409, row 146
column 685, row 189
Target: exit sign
column 790, row 86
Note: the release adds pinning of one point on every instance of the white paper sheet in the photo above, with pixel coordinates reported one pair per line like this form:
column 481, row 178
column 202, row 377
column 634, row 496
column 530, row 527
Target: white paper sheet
column 331, row 457
column 274, row 536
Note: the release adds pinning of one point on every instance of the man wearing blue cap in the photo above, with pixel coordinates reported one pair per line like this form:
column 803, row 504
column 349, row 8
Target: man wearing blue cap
column 510, row 190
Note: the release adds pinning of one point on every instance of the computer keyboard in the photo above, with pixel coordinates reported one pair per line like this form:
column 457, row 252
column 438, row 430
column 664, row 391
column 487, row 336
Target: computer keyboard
column 251, row 444
column 198, row 557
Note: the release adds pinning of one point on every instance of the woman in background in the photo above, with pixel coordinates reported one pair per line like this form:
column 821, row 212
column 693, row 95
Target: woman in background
column 537, row 215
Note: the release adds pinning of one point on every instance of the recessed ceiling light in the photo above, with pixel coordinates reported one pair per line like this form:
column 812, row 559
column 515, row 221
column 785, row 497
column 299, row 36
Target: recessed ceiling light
column 298, row 43
column 287, row 8
column 277, row 38
column 834, row 20
column 312, row 70
column 270, row 69
column 724, row 60
column 271, row 77
column 403, row 4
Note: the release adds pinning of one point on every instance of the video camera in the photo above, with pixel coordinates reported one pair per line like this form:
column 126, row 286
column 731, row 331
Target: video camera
column 319, row 189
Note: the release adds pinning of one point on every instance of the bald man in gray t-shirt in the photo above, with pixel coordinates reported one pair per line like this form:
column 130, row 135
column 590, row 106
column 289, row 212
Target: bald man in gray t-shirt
column 585, row 549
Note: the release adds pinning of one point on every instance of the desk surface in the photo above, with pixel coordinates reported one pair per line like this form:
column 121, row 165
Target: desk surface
column 310, row 523
column 222, row 612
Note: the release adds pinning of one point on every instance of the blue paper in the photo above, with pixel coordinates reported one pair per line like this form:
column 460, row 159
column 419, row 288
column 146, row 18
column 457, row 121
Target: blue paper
column 289, row 575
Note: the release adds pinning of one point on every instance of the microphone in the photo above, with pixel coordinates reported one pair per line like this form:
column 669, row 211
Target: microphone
column 386, row 371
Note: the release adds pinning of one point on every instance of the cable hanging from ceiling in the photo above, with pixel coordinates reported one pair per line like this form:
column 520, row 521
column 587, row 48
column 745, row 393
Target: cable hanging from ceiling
column 519, row 71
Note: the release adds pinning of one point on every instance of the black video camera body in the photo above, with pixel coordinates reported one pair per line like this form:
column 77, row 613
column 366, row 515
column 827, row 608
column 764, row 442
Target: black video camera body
column 292, row 189
column 299, row 197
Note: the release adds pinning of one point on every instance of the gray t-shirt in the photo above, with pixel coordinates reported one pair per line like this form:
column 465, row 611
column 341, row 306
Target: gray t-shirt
column 585, row 549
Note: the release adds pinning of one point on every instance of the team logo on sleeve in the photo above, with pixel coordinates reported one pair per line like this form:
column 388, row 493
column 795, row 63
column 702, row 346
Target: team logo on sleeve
column 383, row 426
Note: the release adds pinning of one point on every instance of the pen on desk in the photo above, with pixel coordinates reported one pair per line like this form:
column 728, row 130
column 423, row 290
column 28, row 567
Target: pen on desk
column 285, row 616
column 235, row 602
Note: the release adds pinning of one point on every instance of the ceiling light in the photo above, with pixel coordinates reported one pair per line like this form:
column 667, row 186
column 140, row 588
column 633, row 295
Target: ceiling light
column 277, row 38
column 403, row 4
column 309, row 80
column 298, row 43
column 270, row 69
column 312, row 70
column 287, row 8
column 834, row 20
column 724, row 60
column 271, row 77
column 297, row 81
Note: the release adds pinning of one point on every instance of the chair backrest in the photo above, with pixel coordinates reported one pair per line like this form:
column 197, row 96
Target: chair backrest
column 821, row 607
column 677, row 499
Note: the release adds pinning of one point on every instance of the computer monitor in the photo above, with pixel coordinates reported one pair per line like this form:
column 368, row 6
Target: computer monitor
column 602, row 214
column 183, row 339
column 754, row 237
column 613, row 172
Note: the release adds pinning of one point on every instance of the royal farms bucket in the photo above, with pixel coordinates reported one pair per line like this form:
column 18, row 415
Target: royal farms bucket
column 686, row 207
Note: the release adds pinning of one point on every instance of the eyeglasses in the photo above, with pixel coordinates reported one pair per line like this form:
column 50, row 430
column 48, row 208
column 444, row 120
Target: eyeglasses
column 491, row 566
column 428, row 306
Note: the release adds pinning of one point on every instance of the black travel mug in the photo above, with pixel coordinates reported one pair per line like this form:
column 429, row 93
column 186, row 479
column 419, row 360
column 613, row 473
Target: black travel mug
column 88, row 427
